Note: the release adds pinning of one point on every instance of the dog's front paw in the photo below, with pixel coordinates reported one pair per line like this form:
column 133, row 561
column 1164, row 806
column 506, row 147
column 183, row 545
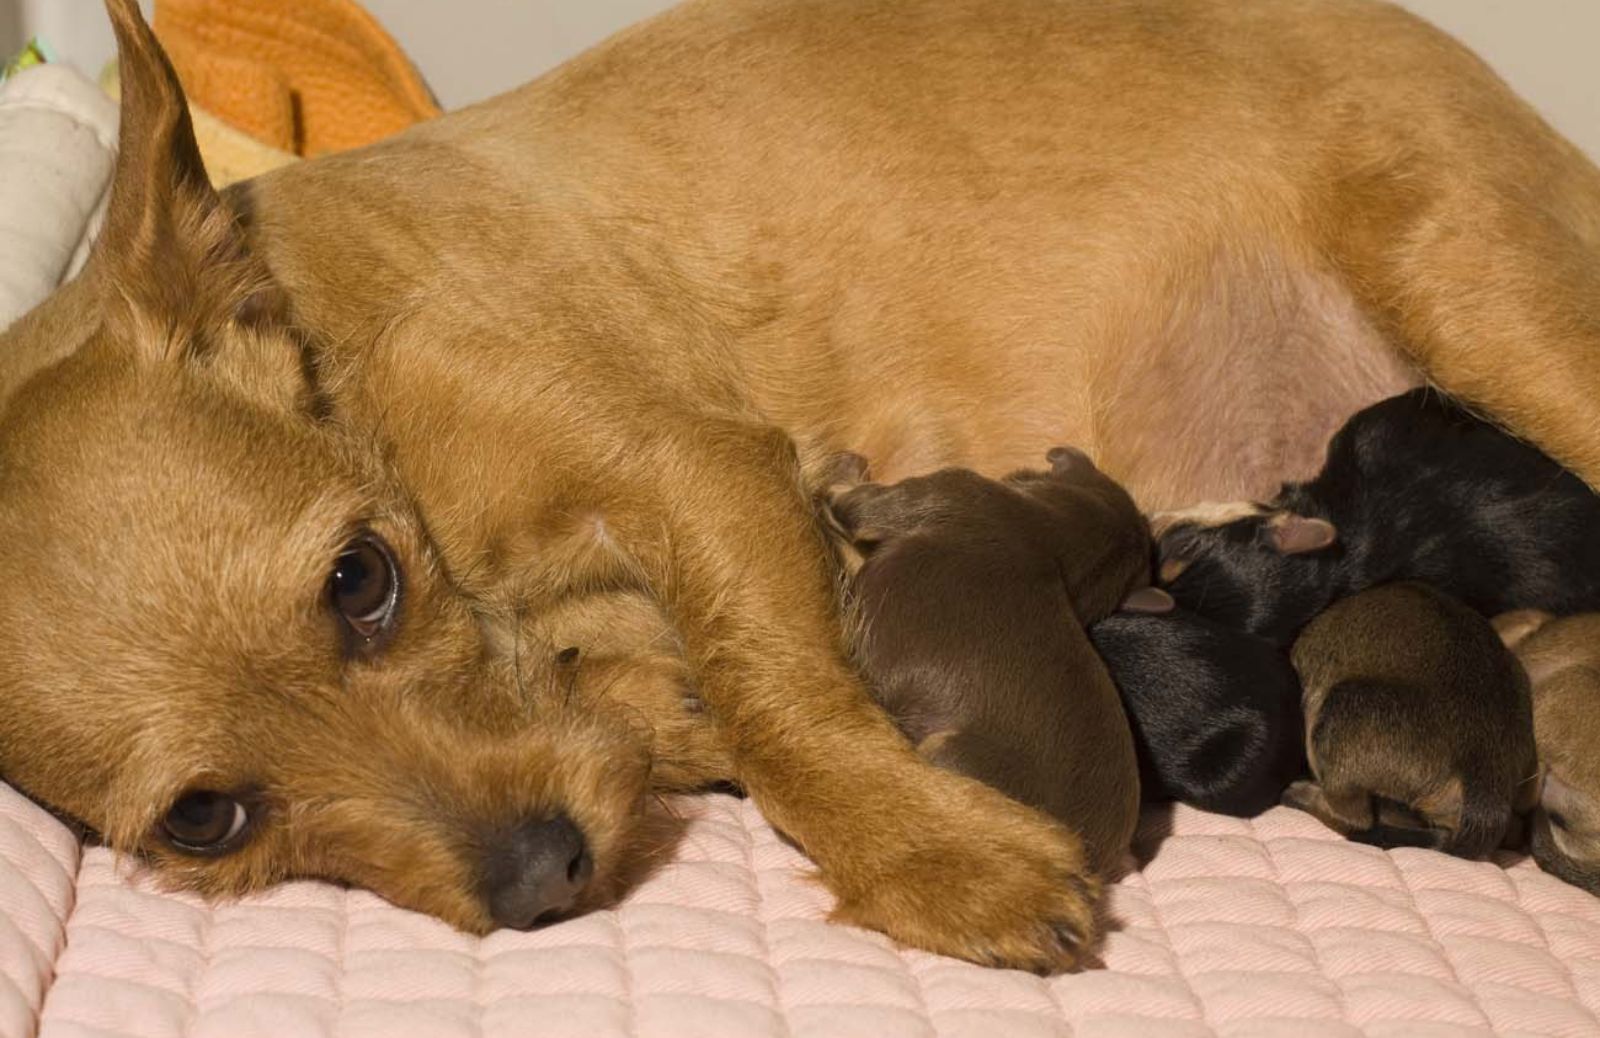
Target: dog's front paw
column 981, row 878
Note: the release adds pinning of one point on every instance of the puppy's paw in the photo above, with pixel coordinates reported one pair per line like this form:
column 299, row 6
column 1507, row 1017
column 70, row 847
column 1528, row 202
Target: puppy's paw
column 1302, row 795
column 981, row 878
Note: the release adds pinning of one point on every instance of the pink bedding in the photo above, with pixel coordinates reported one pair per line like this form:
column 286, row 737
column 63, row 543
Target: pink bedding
column 1225, row 927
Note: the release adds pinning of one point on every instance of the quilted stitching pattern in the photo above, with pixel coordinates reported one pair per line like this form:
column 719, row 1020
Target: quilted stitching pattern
column 1226, row 927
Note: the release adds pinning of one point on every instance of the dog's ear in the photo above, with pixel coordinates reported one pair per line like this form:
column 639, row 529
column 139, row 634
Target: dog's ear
column 1292, row 534
column 171, row 255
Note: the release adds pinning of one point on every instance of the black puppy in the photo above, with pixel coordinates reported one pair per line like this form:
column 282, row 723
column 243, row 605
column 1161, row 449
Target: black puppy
column 1215, row 712
column 1414, row 488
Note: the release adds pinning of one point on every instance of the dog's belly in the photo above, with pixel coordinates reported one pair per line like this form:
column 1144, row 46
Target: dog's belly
column 1215, row 380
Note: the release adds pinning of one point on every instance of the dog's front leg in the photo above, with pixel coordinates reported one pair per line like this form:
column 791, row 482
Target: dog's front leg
column 931, row 858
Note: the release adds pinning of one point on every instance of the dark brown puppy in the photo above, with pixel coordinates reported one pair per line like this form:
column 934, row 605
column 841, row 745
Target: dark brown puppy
column 1419, row 730
column 971, row 598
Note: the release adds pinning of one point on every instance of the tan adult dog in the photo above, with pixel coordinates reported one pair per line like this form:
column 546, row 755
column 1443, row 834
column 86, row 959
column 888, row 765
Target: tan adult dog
column 287, row 478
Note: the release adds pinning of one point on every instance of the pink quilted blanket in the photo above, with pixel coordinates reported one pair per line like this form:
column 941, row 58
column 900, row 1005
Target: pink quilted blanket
column 1222, row 927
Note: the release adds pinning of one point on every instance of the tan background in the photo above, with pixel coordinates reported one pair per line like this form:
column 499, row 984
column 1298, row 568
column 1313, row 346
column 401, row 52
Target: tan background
column 469, row 49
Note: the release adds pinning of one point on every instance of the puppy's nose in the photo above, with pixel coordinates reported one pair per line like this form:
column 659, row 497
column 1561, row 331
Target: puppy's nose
column 536, row 872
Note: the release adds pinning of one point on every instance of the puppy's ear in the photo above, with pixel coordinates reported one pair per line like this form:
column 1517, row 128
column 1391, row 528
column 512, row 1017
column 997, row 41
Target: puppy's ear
column 1148, row 600
column 1171, row 569
column 171, row 253
column 1292, row 534
column 1066, row 459
column 849, row 511
column 1514, row 627
column 842, row 471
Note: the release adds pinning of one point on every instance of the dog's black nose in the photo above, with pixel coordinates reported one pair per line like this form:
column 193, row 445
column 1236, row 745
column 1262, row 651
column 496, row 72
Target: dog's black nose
column 536, row 872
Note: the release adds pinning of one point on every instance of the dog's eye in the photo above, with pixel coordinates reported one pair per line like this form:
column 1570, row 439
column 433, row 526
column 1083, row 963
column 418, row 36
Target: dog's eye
column 1556, row 819
column 364, row 586
column 204, row 822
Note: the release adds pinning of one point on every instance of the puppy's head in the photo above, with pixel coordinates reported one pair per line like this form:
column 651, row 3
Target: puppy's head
column 1251, row 567
column 867, row 515
column 1562, row 658
column 226, row 643
column 1073, row 484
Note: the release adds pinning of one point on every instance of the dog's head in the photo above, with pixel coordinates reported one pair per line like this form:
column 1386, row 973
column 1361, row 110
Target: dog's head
column 1251, row 567
column 226, row 643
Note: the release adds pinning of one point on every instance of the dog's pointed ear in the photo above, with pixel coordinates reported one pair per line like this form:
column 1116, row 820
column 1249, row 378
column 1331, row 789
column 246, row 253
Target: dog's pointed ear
column 170, row 249
column 1293, row 534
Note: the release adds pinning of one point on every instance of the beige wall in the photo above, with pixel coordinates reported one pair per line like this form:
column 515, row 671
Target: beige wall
column 1546, row 49
column 470, row 49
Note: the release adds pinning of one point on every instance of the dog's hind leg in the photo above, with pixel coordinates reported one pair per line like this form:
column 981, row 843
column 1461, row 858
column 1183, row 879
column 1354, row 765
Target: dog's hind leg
column 934, row 859
column 1473, row 234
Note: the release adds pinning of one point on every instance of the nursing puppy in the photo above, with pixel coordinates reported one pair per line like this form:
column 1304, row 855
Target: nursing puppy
column 1418, row 726
column 970, row 601
column 287, row 474
column 1562, row 659
column 1413, row 488
column 1215, row 712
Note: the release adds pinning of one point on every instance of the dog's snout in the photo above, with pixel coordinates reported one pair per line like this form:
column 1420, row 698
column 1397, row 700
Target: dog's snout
column 535, row 872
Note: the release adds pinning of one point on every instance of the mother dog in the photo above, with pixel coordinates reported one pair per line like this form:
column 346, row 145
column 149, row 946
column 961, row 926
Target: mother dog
column 287, row 476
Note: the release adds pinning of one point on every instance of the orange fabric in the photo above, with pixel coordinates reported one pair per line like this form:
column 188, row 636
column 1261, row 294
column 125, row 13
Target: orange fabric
column 303, row 76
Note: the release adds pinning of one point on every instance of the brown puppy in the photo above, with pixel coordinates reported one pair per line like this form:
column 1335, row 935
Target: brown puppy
column 972, row 600
column 281, row 473
column 1562, row 658
column 1418, row 728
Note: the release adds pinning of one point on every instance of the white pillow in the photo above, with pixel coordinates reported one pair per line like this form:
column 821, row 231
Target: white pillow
column 58, row 143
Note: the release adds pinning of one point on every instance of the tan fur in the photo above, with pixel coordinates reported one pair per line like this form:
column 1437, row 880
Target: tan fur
column 596, row 336
column 1562, row 658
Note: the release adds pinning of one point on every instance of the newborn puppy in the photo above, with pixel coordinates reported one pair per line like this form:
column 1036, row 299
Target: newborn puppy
column 1215, row 712
column 1414, row 488
column 1418, row 726
column 970, row 603
column 1562, row 659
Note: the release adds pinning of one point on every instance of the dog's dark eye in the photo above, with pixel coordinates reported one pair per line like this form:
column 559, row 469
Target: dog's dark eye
column 364, row 586
column 1556, row 819
column 204, row 822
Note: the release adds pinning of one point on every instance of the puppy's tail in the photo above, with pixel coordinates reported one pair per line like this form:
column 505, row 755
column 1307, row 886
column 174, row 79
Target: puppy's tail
column 1485, row 815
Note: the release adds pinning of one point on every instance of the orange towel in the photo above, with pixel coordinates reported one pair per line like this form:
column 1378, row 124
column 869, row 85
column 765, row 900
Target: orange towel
column 301, row 76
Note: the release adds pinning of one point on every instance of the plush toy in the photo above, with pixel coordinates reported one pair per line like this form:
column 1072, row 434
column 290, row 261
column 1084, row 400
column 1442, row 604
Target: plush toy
column 270, row 81
column 58, row 141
